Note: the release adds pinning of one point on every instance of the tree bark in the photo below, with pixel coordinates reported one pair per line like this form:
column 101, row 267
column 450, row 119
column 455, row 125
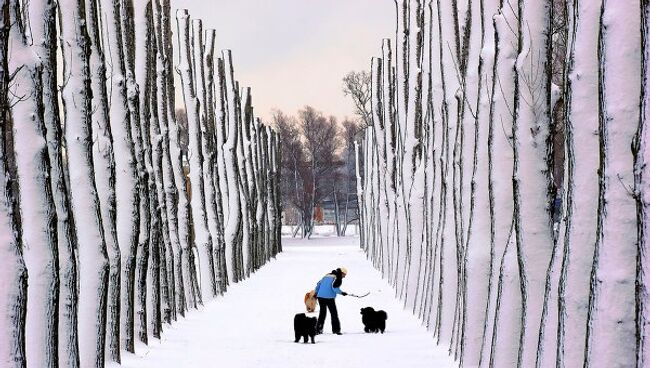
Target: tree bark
column 38, row 213
column 234, row 220
column 13, row 271
column 611, row 334
column 93, row 260
column 126, row 180
column 578, row 235
column 186, row 277
column 45, row 40
column 641, row 151
column 105, row 176
column 202, row 235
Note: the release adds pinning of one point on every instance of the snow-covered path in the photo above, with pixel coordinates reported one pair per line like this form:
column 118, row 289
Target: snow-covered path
column 252, row 325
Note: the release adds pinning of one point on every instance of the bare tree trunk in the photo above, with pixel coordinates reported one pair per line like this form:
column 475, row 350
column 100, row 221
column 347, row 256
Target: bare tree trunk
column 379, row 129
column 478, row 255
column 126, row 181
column 260, row 169
column 247, row 236
column 611, row 314
column 532, row 218
column 642, row 175
column 186, row 278
column 201, row 232
column 13, row 271
column 221, row 182
column 449, row 288
column 578, row 235
column 163, row 277
column 159, row 161
column 45, row 36
column 502, row 316
column 202, row 50
column 93, row 260
column 37, row 209
column 253, row 188
column 233, row 222
column 210, row 171
column 139, row 124
column 105, row 176
column 389, row 106
column 433, row 177
column 151, row 286
column 168, row 191
column 276, row 154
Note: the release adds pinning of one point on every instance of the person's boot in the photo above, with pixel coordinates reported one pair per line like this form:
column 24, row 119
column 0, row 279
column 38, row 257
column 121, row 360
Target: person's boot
column 319, row 330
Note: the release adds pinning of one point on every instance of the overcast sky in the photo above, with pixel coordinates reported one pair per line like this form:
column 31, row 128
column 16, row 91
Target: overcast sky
column 295, row 52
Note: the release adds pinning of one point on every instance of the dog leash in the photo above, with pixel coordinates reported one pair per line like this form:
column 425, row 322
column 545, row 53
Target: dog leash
column 359, row 296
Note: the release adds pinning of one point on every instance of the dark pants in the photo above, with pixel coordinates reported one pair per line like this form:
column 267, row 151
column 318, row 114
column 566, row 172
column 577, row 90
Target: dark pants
column 330, row 304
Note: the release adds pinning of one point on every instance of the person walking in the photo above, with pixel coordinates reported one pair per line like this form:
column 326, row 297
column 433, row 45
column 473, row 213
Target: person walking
column 326, row 290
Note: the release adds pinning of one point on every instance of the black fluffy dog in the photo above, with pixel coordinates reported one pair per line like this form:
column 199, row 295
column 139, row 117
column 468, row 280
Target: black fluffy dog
column 304, row 326
column 374, row 321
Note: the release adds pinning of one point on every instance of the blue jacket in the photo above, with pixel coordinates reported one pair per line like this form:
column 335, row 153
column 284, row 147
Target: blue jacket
column 325, row 289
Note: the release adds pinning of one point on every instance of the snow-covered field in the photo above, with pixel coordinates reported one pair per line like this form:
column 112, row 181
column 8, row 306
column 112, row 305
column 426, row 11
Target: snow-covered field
column 252, row 325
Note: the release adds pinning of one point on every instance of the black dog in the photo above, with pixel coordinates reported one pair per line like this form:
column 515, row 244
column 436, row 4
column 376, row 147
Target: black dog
column 304, row 326
column 374, row 321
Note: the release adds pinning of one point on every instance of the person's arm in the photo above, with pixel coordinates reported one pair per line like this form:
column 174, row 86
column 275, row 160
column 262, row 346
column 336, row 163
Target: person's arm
column 339, row 291
column 316, row 288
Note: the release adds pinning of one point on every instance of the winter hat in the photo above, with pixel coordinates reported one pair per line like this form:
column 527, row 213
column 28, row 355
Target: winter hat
column 344, row 270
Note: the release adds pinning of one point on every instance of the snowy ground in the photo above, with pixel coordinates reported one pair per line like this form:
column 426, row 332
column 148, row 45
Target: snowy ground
column 252, row 325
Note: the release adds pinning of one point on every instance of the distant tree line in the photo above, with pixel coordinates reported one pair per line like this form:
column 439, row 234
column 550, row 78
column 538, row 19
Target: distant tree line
column 317, row 165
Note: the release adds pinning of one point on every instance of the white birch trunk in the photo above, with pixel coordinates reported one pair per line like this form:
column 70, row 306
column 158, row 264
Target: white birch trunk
column 388, row 99
column 152, row 275
column 434, row 178
column 159, row 161
column 414, row 147
column 105, row 176
column 502, row 315
column 642, row 183
column 422, row 288
column 478, row 252
column 203, row 50
column 126, row 181
column 449, row 260
column 578, row 234
column 221, row 130
column 379, row 129
column 186, row 296
column 202, row 236
column 212, row 196
column 275, row 209
column 13, row 273
column 134, row 48
column 242, row 148
column 93, row 261
column 38, row 213
column 611, row 331
column 44, row 32
column 402, row 104
column 533, row 227
column 168, row 191
column 233, row 224
column 362, row 221
column 221, row 182
column 260, row 216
